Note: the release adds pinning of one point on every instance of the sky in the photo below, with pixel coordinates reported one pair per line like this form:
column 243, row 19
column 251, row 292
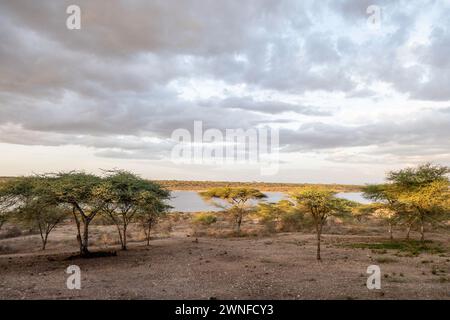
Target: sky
column 351, row 100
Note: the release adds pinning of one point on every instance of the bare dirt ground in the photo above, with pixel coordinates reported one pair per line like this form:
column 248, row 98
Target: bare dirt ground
column 179, row 266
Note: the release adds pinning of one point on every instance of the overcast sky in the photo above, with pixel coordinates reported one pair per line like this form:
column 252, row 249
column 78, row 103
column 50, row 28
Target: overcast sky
column 351, row 102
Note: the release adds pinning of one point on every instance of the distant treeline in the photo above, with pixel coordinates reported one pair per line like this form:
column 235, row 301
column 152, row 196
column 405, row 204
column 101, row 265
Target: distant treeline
column 263, row 186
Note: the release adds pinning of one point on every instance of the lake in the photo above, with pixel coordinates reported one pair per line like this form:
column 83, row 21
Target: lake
column 190, row 201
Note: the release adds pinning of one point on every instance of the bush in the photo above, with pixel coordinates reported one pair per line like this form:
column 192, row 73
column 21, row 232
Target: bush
column 291, row 221
column 205, row 218
column 282, row 216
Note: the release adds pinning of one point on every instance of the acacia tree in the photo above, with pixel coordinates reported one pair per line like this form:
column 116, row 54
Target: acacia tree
column 43, row 217
column 321, row 204
column 424, row 190
column 79, row 191
column 151, row 209
column 430, row 203
column 419, row 176
column 387, row 206
column 124, row 194
column 238, row 198
column 32, row 205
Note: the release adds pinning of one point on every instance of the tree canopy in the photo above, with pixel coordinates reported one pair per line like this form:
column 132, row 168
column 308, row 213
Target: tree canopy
column 125, row 195
column 415, row 195
column 237, row 197
column 320, row 203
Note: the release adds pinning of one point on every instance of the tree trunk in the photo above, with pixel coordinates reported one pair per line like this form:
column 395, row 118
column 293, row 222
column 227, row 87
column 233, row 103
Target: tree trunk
column 238, row 222
column 41, row 233
column 44, row 241
column 408, row 231
column 77, row 222
column 319, row 232
column 124, row 243
column 120, row 234
column 85, row 239
column 149, row 228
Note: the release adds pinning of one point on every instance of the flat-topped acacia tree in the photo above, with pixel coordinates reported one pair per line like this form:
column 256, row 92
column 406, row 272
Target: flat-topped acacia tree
column 126, row 195
column 321, row 203
column 78, row 190
column 416, row 195
column 238, row 198
column 425, row 190
column 31, row 204
column 430, row 203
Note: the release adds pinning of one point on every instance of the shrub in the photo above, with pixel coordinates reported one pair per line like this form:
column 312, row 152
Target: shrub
column 205, row 218
column 291, row 221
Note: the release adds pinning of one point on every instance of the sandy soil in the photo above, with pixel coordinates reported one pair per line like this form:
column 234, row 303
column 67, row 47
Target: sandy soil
column 178, row 266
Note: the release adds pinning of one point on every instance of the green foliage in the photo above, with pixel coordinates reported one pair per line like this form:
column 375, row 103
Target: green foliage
column 235, row 196
column 42, row 201
column 150, row 210
column 124, row 196
column 125, row 188
column 321, row 203
column 238, row 198
column 419, row 176
column 293, row 220
column 414, row 196
column 430, row 198
column 79, row 191
column 280, row 216
column 32, row 204
column 383, row 193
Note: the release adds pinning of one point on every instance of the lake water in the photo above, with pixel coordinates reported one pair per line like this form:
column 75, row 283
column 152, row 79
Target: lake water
column 353, row 196
column 190, row 201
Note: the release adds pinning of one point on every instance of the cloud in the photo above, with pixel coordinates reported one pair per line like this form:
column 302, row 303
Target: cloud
column 126, row 76
column 426, row 133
